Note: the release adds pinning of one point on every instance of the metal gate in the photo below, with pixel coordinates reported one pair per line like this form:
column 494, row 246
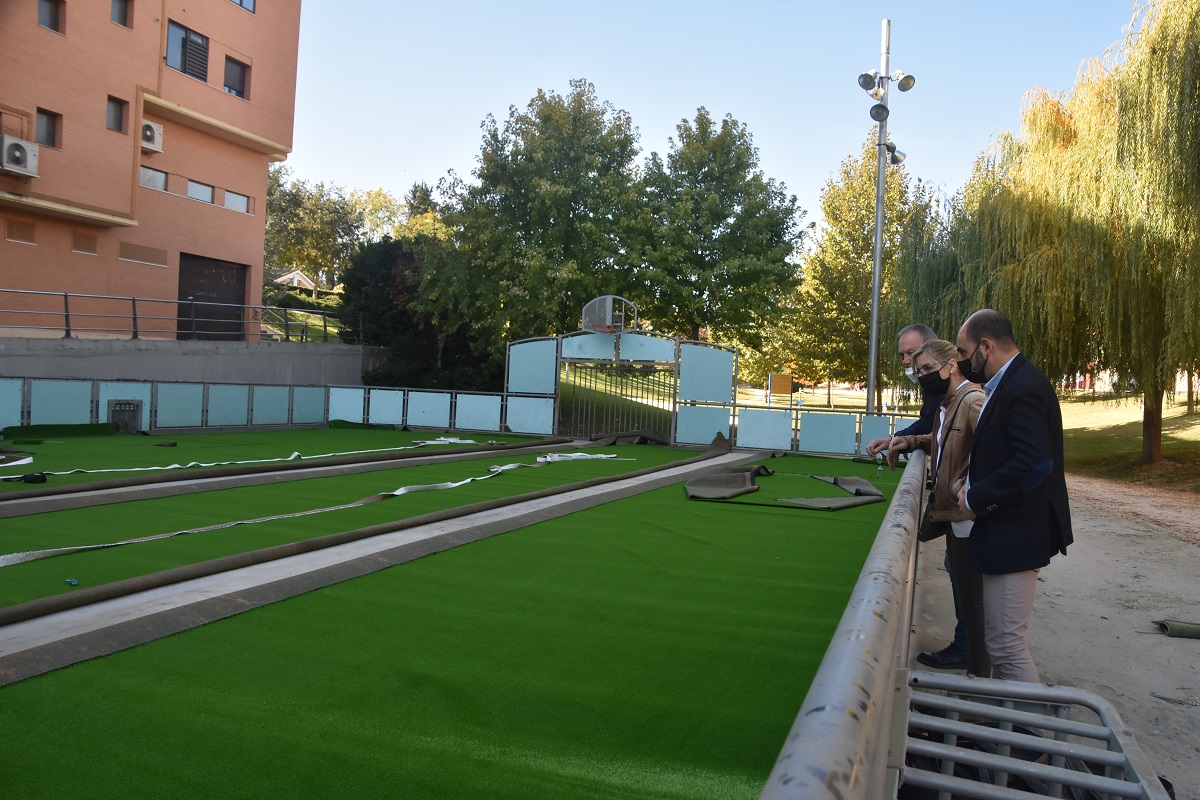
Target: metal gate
column 603, row 397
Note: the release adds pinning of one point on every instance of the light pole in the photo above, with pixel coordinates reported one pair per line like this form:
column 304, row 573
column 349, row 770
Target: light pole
column 875, row 83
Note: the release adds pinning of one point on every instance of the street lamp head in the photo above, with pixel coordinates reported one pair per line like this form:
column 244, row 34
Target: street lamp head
column 879, row 112
column 904, row 82
column 896, row 157
column 869, row 80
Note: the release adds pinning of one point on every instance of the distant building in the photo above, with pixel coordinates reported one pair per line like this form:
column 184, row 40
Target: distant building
column 135, row 151
column 296, row 278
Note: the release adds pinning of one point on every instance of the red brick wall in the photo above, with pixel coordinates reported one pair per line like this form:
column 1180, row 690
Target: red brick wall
column 97, row 170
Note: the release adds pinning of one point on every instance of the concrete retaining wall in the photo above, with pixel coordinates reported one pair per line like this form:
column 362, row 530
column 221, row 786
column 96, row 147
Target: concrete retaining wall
column 282, row 363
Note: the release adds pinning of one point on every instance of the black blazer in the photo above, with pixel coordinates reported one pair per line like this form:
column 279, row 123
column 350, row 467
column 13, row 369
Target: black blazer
column 1018, row 488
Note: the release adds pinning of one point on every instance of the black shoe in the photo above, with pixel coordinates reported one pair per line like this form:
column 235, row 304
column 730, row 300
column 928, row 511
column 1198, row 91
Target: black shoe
column 950, row 657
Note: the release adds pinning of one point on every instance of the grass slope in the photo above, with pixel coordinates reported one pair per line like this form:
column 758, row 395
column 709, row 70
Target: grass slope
column 1103, row 439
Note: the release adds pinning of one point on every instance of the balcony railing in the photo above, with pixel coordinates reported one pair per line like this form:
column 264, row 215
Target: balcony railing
column 91, row 316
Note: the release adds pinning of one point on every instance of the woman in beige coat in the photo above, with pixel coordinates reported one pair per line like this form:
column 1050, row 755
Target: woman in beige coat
column 949, row 449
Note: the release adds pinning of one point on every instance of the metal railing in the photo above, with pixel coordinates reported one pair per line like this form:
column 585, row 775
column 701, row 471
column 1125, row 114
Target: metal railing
column 91, row 316
column 838, row 746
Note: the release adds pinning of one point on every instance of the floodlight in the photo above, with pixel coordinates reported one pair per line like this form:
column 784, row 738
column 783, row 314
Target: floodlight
column 879, row 112
column 904, row 82
column 895, row 156
column 868, row 80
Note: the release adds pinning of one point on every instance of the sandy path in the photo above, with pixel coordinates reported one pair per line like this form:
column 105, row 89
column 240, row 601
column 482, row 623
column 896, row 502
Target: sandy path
column 1136, row 559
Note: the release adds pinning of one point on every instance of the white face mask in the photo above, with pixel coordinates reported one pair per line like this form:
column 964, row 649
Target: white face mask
column 911, row 374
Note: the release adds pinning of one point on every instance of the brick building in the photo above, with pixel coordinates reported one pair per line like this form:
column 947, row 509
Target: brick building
column 136, row 140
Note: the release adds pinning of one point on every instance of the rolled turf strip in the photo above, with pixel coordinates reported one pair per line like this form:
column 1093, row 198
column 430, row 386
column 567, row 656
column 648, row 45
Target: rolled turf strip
column 64, row 602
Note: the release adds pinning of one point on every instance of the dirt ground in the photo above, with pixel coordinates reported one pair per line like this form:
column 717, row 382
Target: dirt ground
column 1136, row 559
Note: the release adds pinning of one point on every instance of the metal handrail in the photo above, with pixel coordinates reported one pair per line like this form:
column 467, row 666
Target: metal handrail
column 838, row 745
column 112, row 316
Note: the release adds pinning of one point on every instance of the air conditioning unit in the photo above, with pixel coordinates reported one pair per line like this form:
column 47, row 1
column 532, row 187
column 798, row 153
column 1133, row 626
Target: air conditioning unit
column 152, row 135
column 18, row 156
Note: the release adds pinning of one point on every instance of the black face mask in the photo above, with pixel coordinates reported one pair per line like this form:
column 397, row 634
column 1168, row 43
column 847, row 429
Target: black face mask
column 934, row 384
column 968, row 372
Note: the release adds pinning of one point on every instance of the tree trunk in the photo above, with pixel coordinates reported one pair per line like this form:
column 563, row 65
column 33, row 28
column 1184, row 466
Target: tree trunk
column 1152, row 408
column 1191, row 409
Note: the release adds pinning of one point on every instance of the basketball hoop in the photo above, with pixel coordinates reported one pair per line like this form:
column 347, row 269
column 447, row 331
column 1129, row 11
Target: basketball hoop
column 608, row 314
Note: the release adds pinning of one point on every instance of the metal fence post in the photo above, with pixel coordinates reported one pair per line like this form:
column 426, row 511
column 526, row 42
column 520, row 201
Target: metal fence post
column 133, row 301
column 66, row 316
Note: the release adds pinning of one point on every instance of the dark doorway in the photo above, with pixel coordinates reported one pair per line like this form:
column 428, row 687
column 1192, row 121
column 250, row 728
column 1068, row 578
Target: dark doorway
column 212, row 295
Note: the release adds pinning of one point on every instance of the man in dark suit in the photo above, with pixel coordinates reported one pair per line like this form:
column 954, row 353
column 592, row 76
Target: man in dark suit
column 1016, row 487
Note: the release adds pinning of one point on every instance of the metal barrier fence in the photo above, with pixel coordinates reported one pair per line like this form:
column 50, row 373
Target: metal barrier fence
column 82, row 316
column 163, row 406
column 869, row 726
column 838, row 746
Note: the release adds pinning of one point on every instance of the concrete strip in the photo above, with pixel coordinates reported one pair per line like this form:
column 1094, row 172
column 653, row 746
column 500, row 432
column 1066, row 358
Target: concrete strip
column 34, row 646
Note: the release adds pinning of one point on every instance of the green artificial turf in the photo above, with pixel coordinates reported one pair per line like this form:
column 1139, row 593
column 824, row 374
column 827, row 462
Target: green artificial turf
column 120, row 451
column 38, row 433
column 136, row 519
column 653, row 647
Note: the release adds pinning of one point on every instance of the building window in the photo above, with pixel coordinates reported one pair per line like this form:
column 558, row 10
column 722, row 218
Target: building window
column 118, row 115
column 200, row 191
column 49, row 128
column 237, row 202
column 20, row 232
column 187, row 51
column 122, row 12
column 83, row 243
column 237, row 78
column 153, row 179
column 246, row 4
column 52, row 14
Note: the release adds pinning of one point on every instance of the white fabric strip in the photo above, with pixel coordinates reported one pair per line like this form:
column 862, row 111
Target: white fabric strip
column 493, row 471
column 293, row 457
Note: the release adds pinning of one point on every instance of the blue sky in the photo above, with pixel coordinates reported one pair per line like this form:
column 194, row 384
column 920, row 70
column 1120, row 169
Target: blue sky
column 394, row 92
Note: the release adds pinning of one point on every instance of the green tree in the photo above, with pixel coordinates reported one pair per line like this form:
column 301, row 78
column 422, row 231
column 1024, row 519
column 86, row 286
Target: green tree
column 382, row 214
column 281, row 207
column 718, row 237
column 311, row 227
column 541, row 227
column 835, row 296
column 413, row 294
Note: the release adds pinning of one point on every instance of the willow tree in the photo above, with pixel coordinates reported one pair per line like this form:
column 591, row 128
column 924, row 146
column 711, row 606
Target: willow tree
column 1158, row 147
column 1084, row 229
